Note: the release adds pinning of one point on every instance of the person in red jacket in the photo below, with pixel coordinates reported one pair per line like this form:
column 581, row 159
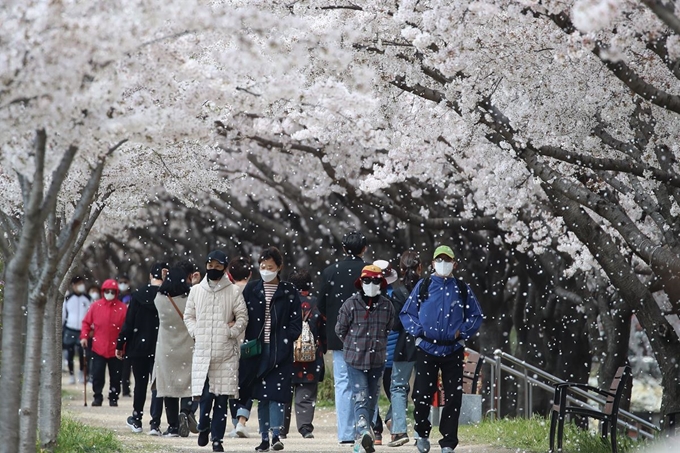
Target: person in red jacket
column 104, row 319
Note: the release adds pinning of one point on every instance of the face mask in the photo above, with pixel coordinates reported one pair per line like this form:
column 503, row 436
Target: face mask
column 123, row 286
column 444, row 269
column 214, row 274
column 268, row 276
column 108, row 296
column 80, row 289
column 94, row 296
column 371, row 289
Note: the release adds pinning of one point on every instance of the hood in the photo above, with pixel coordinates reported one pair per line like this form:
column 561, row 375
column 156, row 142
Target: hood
column 110, row 284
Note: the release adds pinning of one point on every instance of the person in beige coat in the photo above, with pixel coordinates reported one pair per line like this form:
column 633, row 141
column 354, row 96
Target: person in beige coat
column 215, row 316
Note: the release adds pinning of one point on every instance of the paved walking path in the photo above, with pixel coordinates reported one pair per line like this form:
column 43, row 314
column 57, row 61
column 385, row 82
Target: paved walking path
column 325, row 439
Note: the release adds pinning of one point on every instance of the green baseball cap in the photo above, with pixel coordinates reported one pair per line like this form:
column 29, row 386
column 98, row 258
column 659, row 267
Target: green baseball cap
column 444, row 250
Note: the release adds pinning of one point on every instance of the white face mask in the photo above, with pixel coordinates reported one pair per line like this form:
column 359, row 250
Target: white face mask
column 123, row 286
column 370, row 289
column 444, row 268
column 94, row 296
column 80, row 288
column 108, row 296
column 268, row 276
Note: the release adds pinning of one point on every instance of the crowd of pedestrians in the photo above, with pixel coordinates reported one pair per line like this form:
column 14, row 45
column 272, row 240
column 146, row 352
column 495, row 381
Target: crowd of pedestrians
column 209, row 346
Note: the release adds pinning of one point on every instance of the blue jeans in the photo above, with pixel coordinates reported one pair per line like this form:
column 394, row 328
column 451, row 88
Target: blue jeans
column 365, row 387
column 218, row 424
column 270, row 415
column 401, row 373
column 343, row 398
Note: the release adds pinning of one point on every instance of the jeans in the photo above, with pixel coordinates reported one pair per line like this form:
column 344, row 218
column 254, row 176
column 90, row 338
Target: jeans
column 270, row 415
column 238, row 409
column 399, row 388
column 365, row 386
column 427, row 371
column 343, row 398
column 218, row 423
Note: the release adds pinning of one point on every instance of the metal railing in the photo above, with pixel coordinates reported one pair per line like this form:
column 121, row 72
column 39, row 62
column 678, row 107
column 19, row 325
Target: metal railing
column 532, row 377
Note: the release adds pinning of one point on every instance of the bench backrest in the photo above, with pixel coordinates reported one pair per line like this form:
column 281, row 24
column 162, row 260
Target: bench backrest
column 621, row 379
column 472, row 368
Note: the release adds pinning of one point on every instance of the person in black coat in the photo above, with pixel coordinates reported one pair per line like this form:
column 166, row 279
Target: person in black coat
column 137, row 342
column 275, row 318
column 337, row 285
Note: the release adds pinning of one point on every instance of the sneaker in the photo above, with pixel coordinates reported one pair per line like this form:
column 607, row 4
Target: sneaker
column 134, row 424
column 96, row 403
column 171, row 432
column 378, row 439
column 366, row 441
column 283, row 436
column 203, row 438
column 191, row 421
column 277, row 444
column 398, row 440
column 217, row 446
column 264, row 446
column 232, row 434
column 307, row 435
column 357, row 448
column 154, row 431
column 447, row 450
column 71, row 379
column 113, row 403
column 183, row 428
column 241, row 430
column 423, row 445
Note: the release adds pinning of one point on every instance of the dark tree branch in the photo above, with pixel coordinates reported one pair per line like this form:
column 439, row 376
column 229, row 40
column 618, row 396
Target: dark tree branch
column 665, row 13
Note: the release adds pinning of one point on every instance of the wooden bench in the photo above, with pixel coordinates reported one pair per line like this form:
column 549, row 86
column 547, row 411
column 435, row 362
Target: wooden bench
column 608, row 416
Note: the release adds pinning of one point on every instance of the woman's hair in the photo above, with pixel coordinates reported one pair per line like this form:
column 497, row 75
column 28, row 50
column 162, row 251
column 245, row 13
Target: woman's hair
column 301, row 279
column 187, row 266
column 271, row 253
column 176, row 283
column 408, row 265
column 240, row 268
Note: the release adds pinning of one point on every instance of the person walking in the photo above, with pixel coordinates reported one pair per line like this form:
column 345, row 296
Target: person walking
column 364, row 321
column 404, row 350
column 239, row 270
column 307, row 375
column 104, row 320
column 275, row 315
column 215, row 317
column 137, row 343
column 73, row 312
column 440, row 316
column 125, row 296
column 174, row 350
column 337, row 285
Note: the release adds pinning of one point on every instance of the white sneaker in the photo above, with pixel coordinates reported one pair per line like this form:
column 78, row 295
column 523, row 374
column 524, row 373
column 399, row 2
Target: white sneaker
column 154, row 432
column 241, row 430
column 232, row 434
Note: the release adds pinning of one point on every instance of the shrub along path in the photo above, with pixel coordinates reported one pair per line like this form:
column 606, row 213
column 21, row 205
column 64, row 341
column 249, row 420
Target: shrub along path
column 325, row 440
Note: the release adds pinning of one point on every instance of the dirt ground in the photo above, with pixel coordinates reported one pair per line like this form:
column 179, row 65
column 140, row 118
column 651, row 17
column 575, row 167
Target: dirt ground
column 325, row 439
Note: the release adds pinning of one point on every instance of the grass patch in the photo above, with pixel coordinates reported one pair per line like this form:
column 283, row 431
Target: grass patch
column 76, row 437
column 532, row 436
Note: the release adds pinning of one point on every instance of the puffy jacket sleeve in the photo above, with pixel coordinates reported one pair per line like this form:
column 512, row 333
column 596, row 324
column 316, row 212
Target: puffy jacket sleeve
column 190, row 312
column 409, row 315
column 344, row 320
column 240, row 316
column 473, row 316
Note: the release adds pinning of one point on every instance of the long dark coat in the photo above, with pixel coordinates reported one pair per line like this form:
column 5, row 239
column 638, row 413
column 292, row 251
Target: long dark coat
column 275, row 383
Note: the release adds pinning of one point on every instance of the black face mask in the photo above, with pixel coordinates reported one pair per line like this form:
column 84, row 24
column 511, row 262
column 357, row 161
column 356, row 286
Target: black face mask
column 214, row 274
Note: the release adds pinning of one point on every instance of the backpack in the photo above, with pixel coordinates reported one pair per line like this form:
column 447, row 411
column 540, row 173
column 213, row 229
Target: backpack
column 304, row 349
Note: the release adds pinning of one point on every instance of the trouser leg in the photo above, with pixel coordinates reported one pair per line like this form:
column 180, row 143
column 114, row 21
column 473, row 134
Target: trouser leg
column 115, row 367
column 305, row 402
column 452, row 379
column 427, row 371
column 98, row 372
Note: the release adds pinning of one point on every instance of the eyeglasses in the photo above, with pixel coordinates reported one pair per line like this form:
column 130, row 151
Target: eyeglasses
column 109, row 291
column 443, row 259
column 369, row 280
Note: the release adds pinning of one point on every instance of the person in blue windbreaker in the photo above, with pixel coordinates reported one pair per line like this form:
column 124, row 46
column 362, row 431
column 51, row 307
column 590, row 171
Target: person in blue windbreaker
column 441, row 313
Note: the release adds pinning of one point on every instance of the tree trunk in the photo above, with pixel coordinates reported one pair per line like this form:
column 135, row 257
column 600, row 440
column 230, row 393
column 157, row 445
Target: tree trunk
column 31, row 382
column 49, row 407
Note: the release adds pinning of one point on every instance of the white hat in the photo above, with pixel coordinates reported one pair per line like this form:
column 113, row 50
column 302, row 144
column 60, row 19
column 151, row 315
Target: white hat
column 390, row 274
